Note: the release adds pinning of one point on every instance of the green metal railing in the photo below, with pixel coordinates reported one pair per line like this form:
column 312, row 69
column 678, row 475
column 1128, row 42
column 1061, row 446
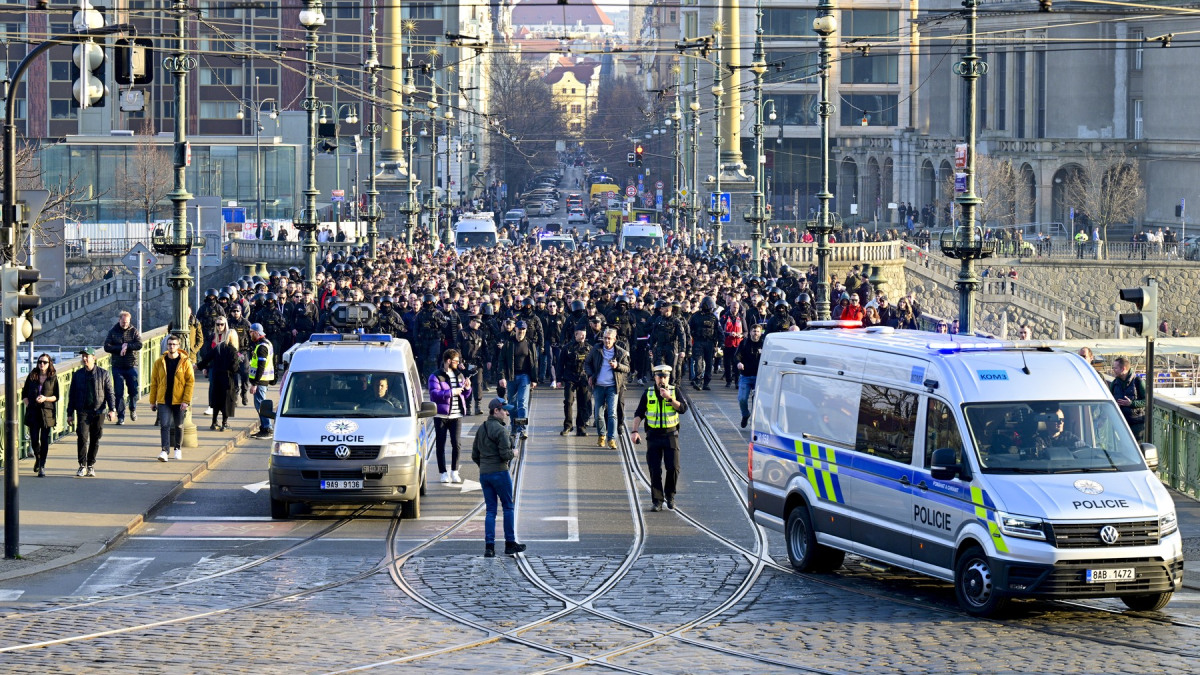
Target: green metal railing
column 150, row 350
column 1176, row 432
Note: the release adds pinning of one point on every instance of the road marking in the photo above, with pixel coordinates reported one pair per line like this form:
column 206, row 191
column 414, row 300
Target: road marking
column 255, row 487
column 115, row 572
column 10, row 594
column 211, row 528
column 150, row 537
column 705, row 481
column 469, row 485
column 264, row 519
column 572, row 528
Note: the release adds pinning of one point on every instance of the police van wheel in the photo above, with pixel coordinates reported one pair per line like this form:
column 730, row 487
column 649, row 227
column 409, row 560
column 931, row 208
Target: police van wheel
column 804, row 552
column 974, row 584
column 280, row 509
column 412, row 508
column 1147, row 602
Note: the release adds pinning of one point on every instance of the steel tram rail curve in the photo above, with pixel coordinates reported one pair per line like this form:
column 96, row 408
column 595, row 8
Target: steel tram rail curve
column 731, row 469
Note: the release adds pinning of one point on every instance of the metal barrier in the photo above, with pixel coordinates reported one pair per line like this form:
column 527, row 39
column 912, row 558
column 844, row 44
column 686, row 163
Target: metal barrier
column 254, row 251
column 151, row 348
column 873, row 251
column 1176, row 432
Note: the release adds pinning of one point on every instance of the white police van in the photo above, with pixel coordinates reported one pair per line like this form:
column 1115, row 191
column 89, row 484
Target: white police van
column 351, row 425
column 475, row 230
column 1004, row 467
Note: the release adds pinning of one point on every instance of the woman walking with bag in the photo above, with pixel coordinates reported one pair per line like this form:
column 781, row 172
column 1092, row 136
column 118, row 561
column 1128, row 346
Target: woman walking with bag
column 221, row 362
column 40, row 394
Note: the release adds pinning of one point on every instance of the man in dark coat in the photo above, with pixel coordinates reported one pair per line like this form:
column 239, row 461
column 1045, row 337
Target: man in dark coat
column 90, row 394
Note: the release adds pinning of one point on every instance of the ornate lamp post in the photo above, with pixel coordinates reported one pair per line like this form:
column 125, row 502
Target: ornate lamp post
column 824, row 26
column 350, row 118
column 371, row 68
column 258, row 127
column 305, row 220
column 757, row 215
column 965, row 242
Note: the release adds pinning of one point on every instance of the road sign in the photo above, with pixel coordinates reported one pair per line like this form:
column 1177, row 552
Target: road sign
column 658, row 185
column 630, row 191
column 960, row 182
column 648, row 200
column 610, row 195
column 338, row 195
column 726, row 205
column 131, row 259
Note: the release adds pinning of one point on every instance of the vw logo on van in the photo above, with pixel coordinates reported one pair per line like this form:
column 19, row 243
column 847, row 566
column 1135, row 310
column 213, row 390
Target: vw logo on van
column 1109, row 534
column 1088, row 487
column 341, row 451
column 342, row 427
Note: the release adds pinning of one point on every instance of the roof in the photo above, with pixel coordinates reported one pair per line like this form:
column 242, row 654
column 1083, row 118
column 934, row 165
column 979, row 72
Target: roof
column 583, row 73
column 539, row 13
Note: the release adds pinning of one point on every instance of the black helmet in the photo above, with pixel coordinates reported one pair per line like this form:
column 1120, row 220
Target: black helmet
column 488, row 310
column 708, row 304
column 429, row 299
column 527, row 302
column 661, row 303
column 242, row 284
column 578, row 306
column 781, row 306
column 223, row 296
column 805, row 299
column 785, row 271
column 259, row 298
column 274, row 274
column 294, row 272
column 622, row 300
column 233, row 290
column 271, row 297
column 386, row 300
column 210, row 293
column 351, row 260
column 735, row 271
column 320, row 269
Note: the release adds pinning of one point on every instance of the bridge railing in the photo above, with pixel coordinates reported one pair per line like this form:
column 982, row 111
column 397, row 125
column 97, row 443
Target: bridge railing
column 1176, row 432
column 251, row 251
column 874, row 251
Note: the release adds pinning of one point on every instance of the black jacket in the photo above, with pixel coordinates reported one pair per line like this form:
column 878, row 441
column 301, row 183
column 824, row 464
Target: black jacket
column 506, row 362
column 117, row 337
column 34, row 410
column 103, row 386
column 748, row 354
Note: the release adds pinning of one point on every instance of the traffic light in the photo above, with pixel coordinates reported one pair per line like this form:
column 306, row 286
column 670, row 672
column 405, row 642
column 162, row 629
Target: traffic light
column 87, row 72
column 133, row 61
column 19, row 291
column 637, row 153
column 1145, row 300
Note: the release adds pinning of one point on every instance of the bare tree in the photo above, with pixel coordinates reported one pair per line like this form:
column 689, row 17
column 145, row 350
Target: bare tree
column 1002, row 192
column 1108, row 189
column 147, row 177
column 621, row 110
column 529, row 118
column 31, row 176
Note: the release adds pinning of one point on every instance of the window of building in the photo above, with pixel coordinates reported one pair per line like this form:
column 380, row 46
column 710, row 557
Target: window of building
column 984, row 104
column 877, row 67
column 267, row 10
column 887, row 423
column 348, row 43
column 267, row 76
column 671, row 17
column 220, row 10
column 420, row 10
column 60, row 71
column 800, row 109
column 788, row 23
column 1135, row 118
column 572, row 90
column 347, row 10
column 1138, row 36
column 576, row 108
column 60, row 108
column 13, row 31
column 879, row 110
column 1039, row 90
column 794, row 67
column 221, row 76
column 1001, row 90
column 219, row 110
column 1019, row 84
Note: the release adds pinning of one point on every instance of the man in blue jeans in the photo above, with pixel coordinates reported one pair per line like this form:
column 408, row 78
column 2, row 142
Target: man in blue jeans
column 492, row 451
column 607, row 368
column 123, row 342
column 518, row 373
column 748, row 354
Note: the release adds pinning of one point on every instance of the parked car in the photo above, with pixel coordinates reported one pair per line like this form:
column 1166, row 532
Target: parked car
column 576, row 215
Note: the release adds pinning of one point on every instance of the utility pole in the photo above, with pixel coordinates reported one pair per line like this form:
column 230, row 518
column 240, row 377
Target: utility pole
column 371, row 68
column 824, row 26
column 757, row 215
column 311, row 18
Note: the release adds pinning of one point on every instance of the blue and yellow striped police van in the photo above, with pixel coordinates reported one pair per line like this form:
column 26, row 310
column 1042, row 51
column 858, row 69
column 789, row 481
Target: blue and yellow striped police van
column 1003, row 467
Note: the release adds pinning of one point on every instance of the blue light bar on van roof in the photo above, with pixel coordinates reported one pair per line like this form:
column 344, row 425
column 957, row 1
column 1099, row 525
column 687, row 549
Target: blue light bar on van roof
column 350, row 337
column 950, row 347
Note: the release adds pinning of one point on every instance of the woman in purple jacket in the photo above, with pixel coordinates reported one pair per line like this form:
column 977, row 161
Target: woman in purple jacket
column 450, row 389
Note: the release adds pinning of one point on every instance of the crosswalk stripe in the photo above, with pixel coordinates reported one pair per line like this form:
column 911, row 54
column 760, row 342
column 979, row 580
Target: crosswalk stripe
column 112, row 573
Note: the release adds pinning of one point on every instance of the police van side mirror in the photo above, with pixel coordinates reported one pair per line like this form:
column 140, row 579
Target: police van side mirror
column 428, row 409
column 267, row 408
column 1150, row 452
column 943, row 465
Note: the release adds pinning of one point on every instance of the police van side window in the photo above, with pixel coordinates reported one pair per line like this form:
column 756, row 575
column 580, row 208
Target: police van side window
column 819, row 408
column 941, row 431
column 887, row 423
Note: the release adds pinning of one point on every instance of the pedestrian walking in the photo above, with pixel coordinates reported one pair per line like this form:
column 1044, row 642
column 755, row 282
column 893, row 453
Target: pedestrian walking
column 518, row 373
column 89, row 395
column 1130, row 393
column 577, row 395
column 123, row 342
column 607, row 368
column 492, row 451
column 262, row 375
column 220, row 365
column 171, row 385
column 450, row 390
column 748, row 354
column 40, row 394
column 660, row 408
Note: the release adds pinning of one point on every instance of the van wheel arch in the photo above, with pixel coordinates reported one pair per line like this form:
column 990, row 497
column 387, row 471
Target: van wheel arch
column 804, row 553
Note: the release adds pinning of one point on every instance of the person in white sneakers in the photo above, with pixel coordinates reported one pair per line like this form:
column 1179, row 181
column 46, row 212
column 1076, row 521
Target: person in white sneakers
column 450, row 389
column 171, row 383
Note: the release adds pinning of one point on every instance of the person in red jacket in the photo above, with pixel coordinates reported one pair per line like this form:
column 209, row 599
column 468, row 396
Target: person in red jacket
column 734, row 327
column 852, row 311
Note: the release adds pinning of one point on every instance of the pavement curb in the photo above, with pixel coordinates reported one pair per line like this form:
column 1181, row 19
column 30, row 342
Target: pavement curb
column 90, row 550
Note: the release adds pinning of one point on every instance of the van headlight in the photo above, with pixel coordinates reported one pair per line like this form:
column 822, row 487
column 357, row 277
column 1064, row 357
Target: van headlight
column 1167, row 524
column 398, row 449
column 285, row 449
column 1021, row 526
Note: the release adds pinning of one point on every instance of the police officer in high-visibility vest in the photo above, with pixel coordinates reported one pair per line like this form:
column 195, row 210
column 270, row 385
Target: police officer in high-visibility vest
column 262, row 374
column 660, row 407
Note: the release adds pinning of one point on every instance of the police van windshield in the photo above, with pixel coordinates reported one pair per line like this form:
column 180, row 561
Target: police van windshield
column 345, row 393
column 475, row 239
column 1045, row 437
column 567, row 244
column 636, row 242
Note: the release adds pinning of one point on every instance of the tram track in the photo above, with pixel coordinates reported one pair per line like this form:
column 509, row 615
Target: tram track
column 734, row 474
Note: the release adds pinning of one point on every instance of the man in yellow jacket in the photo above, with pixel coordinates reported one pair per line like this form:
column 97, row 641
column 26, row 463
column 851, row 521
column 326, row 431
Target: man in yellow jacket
column 171, row 384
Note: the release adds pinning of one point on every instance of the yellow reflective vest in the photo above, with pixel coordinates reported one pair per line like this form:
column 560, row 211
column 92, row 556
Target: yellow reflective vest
column 659, row 413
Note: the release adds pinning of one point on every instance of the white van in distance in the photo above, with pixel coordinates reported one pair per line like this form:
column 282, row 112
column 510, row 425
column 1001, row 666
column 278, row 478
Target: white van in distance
column 641, row 235
column 474, row 230
column 1003, row 467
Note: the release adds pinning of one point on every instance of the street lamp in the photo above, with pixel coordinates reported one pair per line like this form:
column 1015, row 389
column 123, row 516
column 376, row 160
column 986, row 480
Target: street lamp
column 757, row 214
column 305, row 220
column 371, row 67
column 351, row 117
column 257, row 107
column 824, row 26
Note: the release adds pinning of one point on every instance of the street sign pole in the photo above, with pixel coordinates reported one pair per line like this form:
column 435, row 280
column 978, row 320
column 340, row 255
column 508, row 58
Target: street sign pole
column 141, row 277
